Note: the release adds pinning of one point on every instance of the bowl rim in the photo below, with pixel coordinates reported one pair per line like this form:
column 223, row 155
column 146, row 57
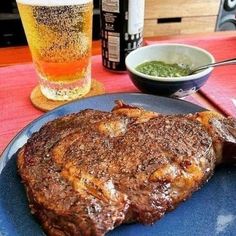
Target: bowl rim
column 170, row 79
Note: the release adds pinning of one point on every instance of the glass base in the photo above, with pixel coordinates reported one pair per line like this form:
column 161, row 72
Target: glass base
column 65, row 91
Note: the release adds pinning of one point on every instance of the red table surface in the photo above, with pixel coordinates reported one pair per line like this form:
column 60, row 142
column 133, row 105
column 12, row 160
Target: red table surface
column 17, row 82
column 220, row 89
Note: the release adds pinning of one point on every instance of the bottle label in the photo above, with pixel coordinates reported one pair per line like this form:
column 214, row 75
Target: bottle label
column 113, row 47
column 111, row 6
column 135, row 16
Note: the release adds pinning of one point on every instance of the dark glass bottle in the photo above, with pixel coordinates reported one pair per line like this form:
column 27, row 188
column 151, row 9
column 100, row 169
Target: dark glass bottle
column 121, row 30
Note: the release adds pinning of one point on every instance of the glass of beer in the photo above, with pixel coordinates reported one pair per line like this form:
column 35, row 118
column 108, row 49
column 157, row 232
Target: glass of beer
column 59, row 34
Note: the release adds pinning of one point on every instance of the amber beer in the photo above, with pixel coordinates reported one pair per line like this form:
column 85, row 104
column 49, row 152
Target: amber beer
column 59, row 36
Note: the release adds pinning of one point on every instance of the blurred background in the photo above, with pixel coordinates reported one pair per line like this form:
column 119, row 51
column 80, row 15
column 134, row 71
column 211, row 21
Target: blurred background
column 162, row 17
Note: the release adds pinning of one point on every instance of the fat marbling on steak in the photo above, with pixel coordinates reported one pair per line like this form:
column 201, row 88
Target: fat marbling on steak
column 89, row 172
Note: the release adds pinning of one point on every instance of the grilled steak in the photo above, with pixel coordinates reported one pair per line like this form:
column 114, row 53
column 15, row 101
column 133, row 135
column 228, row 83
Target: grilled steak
column 89, row 172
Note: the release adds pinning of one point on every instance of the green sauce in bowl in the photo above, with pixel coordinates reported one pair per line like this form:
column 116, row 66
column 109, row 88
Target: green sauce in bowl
column 162, row 69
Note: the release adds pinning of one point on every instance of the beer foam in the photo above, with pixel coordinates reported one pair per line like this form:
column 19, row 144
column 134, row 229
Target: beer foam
column 53, row 2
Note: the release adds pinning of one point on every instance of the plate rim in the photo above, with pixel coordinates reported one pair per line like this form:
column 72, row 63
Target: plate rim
column 77, row 110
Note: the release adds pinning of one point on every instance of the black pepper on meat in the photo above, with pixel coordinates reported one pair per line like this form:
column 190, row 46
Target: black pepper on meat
column 89, row 172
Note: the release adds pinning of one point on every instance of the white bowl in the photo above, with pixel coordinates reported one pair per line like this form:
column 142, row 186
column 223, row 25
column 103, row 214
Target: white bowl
column 169, row 53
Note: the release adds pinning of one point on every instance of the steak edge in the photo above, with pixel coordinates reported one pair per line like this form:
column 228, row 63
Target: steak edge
column 89, row 172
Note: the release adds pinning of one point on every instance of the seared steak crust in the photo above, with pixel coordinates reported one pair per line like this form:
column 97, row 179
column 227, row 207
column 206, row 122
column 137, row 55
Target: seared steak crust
column 89, row 172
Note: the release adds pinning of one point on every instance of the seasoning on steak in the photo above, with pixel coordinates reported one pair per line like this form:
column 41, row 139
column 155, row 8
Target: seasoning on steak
column 89, row 172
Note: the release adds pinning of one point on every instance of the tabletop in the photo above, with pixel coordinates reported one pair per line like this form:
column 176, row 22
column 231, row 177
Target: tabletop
column 18, row 78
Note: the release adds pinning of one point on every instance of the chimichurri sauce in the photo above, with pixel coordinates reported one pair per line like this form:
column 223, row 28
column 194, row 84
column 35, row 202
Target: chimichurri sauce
column 162, row 69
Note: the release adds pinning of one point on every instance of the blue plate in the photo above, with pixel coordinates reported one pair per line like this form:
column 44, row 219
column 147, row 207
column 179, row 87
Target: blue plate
column 210, row 211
